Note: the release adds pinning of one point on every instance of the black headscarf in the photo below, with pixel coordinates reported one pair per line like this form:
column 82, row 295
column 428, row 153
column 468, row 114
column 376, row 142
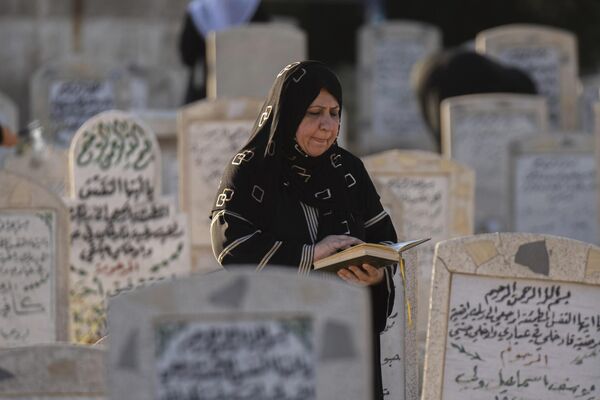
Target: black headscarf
column 272, row 160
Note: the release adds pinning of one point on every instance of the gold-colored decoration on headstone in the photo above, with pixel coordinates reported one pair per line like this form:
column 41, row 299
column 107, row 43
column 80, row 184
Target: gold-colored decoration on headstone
column 481, row 252
column 593, row 262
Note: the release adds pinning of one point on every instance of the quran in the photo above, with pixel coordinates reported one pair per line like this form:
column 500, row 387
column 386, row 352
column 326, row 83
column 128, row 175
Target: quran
column 377, row 255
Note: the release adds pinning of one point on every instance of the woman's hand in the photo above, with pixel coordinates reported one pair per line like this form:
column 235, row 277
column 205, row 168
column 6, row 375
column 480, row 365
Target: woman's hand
column 367, row 275
column 333, row 243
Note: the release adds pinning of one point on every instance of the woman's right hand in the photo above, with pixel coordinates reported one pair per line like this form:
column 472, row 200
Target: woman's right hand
column 332, row 244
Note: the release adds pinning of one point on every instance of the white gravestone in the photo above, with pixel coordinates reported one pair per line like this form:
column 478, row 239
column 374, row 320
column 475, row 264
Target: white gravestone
column 123, row 233
column 53, row 372
column 476, row 131
column 223, row 336
column 389, row 114
column 210, row 133
column 66, row 93
column 233, row 71
column 553, row 186
column 33, row 263
column 514, row 316
column 548, row 55
column 429, row 197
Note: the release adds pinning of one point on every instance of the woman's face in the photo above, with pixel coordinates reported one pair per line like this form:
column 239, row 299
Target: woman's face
column 320, row 125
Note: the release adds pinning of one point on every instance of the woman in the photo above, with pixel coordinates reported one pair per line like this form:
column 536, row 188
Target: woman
column 291, row 196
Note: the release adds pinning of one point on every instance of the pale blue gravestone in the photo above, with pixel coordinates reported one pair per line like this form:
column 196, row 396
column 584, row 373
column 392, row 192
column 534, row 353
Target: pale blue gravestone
column 69, row 91
column 514, row 316
column 241, row 335
column 33, row 263
column 58, row 371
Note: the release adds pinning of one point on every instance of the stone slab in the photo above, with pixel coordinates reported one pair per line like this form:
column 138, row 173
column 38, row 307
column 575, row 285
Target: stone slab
column 33, row 263
column 512, row 317
column 318, row 326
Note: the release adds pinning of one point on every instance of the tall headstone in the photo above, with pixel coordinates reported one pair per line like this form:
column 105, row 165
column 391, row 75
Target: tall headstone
column 476, row 131
column 234, row 71
column 66, row 93
column 124, row 235
column 553, row 186
column 33, row 263
column 514, row 316
column 210, row 133
column 53, row 372
column 549, row 55
column 389, row 114
column 241, row 335
column 426, row 195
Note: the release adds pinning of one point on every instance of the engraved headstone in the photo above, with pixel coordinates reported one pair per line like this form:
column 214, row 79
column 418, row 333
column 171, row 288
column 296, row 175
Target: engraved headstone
column 549, row 55
column 33, row 263
column 223, row 335
column 210, row 134
column 514, row 316
column 553, row 186
column 233, row 71
column 476, row 131
column 123, row 233
column 53, row 372
column 428, row 196
column 66, row 93
column 389, row 114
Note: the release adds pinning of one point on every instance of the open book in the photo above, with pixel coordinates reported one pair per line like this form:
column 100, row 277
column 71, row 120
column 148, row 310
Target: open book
column 377, row 255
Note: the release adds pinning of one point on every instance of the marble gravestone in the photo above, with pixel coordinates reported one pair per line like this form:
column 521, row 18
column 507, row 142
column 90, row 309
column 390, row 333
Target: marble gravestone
column 58, row 371
column 389, row 114
column 33, row 263
column 222, row 335
column 210, row 133
column 124, row 234
column 476, row 131
column 426, row 196
column 549, row 55
column 67, row 92
column 514, row 316
column 554, row 186
column 233, row 71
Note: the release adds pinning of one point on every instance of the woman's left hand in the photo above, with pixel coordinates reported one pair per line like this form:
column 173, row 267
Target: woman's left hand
column 366, row 275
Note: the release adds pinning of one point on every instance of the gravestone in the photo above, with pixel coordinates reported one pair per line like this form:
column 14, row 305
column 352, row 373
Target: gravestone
column 399, row 350
column 33, row 263
column 514, row 316
column 164, row 125
column 233, row 71
column 124, row 235
column 389, row 114
column 553, row 186
column 66, row 93
column 548, row 55
column 53, row 372
column 210, row 133
column 426, row 196
column 222, row 335
column 476, row 131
